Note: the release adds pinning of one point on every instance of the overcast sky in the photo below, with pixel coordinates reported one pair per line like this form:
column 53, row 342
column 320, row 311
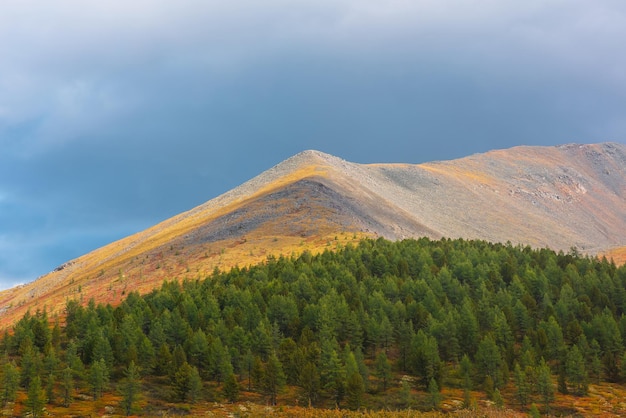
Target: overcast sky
column 115, row 115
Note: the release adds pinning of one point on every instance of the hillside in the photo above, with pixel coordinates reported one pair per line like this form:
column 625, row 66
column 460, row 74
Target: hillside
column 559, row 197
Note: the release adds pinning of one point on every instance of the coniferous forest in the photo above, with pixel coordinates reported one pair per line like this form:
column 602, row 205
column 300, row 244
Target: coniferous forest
column 379, row 325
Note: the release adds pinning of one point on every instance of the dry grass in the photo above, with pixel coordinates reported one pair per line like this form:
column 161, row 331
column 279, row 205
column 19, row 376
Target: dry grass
column 618, row 255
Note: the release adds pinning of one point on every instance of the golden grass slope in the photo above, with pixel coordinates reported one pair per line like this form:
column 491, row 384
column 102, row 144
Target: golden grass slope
column 142, row 261
column 618, row 255
column 560, row 197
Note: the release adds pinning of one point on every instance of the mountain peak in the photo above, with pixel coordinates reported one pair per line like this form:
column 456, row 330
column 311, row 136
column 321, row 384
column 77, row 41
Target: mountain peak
column 308, row 158
column 559, row 197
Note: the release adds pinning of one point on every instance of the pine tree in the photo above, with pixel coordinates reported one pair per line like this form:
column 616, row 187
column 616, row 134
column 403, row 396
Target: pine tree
column 355, row 390
column 274, row 378
column 383, row 370
column 36, row 398
column 497, row 399
column 181, row 382
column 231, row 388
column 309, row 381
column 163, row 364
column 10, row 382
column 248, row 364
column 405, row 393
column 575, row 371
column 522, row 391
column 195, row 386
column 257, row 374
column 50, row 382
column 623, row 367
column 72, row 359
column 130, row 388
column 545, row 387
column 333, row 376
column 30, row 365
column 534, row 411
column 466, row 374
column 489, row 360
column 434, row 397
column 98, row 378
column 67, row 384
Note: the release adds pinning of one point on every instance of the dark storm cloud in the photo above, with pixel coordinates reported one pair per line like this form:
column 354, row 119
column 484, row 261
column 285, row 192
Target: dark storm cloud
column 115, row 115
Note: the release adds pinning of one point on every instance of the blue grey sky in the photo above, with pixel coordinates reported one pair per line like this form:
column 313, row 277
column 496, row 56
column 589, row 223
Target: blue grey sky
column 116, row 115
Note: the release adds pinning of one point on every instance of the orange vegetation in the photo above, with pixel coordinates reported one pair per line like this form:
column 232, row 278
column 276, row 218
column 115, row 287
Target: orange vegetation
column 618, row 255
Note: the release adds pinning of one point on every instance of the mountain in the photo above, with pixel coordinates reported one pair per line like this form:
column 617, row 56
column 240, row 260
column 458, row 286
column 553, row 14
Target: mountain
column 560, row 197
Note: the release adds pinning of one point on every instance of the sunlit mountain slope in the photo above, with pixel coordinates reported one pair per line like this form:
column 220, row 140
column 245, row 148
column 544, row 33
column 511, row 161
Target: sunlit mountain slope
column 559, row 197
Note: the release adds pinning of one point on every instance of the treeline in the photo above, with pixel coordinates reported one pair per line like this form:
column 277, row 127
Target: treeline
column 340, row 326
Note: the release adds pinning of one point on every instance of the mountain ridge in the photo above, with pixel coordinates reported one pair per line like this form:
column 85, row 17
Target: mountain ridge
column 571, row 195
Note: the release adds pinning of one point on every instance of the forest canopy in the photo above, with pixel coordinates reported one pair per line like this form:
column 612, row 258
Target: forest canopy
column 340, row 326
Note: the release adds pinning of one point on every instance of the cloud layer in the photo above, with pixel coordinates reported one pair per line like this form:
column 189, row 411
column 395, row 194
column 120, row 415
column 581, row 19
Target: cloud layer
column 115, row 115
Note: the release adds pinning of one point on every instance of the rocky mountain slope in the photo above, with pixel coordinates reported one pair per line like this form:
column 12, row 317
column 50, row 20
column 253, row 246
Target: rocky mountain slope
column 559, row 197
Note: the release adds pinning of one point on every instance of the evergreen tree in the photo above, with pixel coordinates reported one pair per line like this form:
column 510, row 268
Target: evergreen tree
column 468, row 329
column 383, row 370
column 623, row 367
column 354, row 391
column 405, row 393
column 50, row 382
column 309, row 381
column 489, row 361
column 257, row 374
column 466, row 374
column 72, row 359
column 522, row 391
column 247, row 364
column 575, row 372
column 195, row 385
column 130, row 388
column 545, row 387
column 29, row 365
column 273, row 378
column 497, row 399
column 434, row 396
column 10, row 382
column 181, row 382
column 98, row 378
column 231, row 388
column 67, row 384
column 164, row 364
column 36, row 398
column 178, row 358
column 534, row 411
column 333, row 376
